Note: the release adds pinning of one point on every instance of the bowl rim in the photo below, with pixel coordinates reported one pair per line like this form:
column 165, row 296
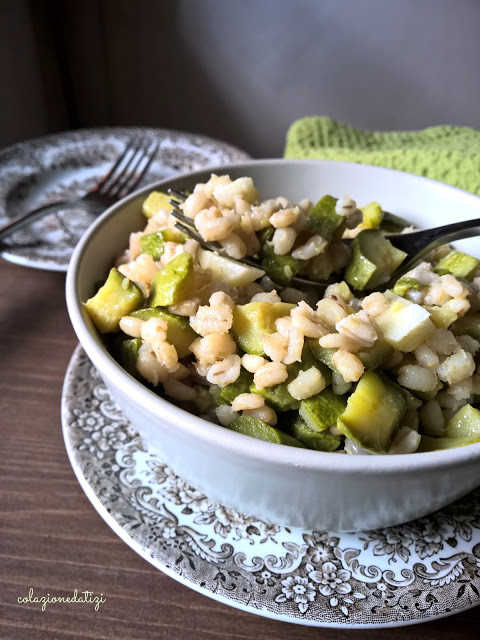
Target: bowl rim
column 218, row 436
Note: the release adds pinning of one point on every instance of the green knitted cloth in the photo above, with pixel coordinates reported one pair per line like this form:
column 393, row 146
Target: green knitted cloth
column 446, row 153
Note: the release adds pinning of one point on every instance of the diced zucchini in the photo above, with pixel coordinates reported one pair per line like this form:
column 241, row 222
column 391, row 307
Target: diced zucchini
column 324, row 221
column 372, row 216
column 464, row 424
column 174, row 282
column 321, row 267
column 441, row 317
column 153, row 243
column 278, row 397
column 404, row 325
column 263, row 431
column 322, row 410
column 323, row 354
column 174, row 235
column 264, row 238
column 252, row 320
column 229, row 271
column 234, row 389
column 127, row 353
column 319, row 441
column 429, row 443
column 214, row 391
column 404, row 284
column 460, row 265
column 179, row 332
column 280, row 269
column 469, row 325
column 203, row 400
column 308, row 361
column 343, row 291
column 373, row 413
column 118, row 297
column 371, row 357
column 392, row 223
column 156, row 200
column 374, row 259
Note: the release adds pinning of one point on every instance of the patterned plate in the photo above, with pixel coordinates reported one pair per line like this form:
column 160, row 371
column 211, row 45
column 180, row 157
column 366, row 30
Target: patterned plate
column 406, row 574
column 66, row 165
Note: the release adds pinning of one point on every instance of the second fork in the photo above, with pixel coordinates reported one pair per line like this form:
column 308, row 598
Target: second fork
column 125, row 174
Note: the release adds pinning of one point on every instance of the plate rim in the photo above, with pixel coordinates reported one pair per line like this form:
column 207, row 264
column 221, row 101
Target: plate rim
column 55, row 139
column 115, row 129
column 145, row 554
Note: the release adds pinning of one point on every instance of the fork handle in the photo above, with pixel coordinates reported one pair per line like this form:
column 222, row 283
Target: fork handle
column 26, row 218
column 419, row 243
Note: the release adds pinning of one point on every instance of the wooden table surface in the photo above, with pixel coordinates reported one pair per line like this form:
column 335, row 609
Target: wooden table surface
column 53, row 540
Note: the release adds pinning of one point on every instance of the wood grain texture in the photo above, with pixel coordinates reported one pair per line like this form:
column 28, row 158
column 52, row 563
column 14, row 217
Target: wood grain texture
column 52, row 539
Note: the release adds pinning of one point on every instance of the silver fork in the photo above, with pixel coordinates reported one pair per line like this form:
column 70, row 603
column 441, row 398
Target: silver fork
column 416, row 244
column 187, row 226
column 123, row 177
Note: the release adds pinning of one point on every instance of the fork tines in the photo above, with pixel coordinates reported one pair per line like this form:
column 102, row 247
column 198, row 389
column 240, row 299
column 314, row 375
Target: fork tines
column 177, row 213
column 187, row 226
column 179, row 195
column 126, row 173
column 137, row 167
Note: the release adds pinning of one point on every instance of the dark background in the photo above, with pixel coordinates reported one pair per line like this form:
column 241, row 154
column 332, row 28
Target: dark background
column 240, row 70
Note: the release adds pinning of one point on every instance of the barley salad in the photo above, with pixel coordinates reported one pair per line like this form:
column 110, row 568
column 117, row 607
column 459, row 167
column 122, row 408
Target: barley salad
column 347, row 371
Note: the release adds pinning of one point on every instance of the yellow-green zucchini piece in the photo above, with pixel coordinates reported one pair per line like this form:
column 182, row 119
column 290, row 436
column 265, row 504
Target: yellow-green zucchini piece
column 404, row 284
column 154, row 243
column 374, row 259
column 127, row 355
column 464, row 424
column 118, row 297
column 179, row 331
column 371, row 357
column 322, row 354
column 441, row 317
column 278, row 397
column 429, row 443
column 280, row 269
column 322, row 410
column 156, row 200
column 263, row 431
column 460, row 265
column 319, row 441
column 252, row 320
column 323, row 220
column 392, row 223
column 373, row 413
column 241, row 385
column 372, row 216
column 468, row 325
column 173, row 283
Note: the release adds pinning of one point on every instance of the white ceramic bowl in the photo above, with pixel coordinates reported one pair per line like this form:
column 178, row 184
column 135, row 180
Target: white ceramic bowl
column 282, row 484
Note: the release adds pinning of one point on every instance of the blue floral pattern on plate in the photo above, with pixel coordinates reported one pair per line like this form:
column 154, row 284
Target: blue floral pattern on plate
column 405, row 574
